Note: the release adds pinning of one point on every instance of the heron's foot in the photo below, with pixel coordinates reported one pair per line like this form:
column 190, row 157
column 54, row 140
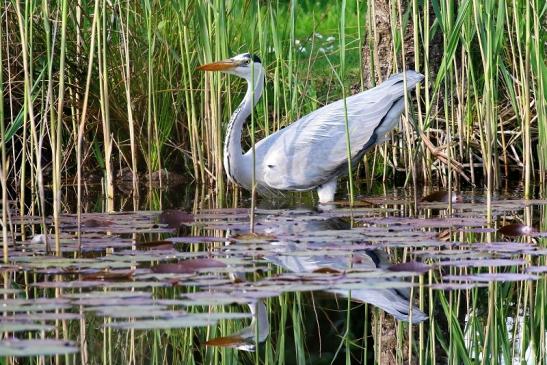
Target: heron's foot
column 326, row 191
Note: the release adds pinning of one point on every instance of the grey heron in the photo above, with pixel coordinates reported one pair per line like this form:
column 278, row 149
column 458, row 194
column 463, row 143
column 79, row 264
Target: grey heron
column 310, row 153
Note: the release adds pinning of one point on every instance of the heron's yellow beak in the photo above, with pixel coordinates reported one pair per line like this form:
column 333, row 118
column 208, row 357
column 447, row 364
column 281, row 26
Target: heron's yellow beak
column 223, row 65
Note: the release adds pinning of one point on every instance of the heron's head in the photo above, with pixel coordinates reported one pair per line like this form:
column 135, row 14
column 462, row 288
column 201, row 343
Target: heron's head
column 242, row 65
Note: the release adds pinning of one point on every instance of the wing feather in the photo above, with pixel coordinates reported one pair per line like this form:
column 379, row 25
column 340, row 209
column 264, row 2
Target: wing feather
column 313, row 149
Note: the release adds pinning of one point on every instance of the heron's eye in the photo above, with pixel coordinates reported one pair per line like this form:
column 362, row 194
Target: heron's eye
column 247, row 61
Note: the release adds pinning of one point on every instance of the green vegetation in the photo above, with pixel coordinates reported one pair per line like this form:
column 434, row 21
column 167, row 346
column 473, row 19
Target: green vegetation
column 108, row 89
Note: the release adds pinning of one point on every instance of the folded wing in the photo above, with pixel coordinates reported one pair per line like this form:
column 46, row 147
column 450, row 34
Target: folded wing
column 313, row 150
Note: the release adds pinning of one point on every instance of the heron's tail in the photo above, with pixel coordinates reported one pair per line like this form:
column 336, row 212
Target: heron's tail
column 412, row 78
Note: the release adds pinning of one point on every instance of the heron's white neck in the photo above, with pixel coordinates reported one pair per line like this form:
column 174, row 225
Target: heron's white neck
column 237, row 168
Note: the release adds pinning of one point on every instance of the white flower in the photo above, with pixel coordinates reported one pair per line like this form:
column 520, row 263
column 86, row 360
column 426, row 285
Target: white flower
column 321, row 49
column 330, row 39
column 297, row 42
column 318, row 35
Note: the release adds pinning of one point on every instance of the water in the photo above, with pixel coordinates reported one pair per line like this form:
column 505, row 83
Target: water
column 192, row 285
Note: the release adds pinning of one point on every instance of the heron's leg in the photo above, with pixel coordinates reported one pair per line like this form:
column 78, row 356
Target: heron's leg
column 326, row 191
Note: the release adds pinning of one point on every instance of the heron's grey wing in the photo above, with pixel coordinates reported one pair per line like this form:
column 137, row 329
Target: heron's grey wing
column 312, row 150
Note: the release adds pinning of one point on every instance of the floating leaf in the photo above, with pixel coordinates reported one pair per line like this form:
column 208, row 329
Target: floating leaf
column 98, row 301
column 46, row 316
column 96, row 223
column 216, row 298
column 180, row 322
column 175, row 218
column 490, row 277
column 130, row 310
column 537, row 269
column 443, row 197
column 457, row 286
column 11, row 326
column 155, row 245
column 255, row 237
column 31, row 306
column 195, row 239
column 410, row 266
column 109, row 294
column 188, row 266
column 69, row 284
column 118, row 275
column 9, row 291
column 484, row 262
column 8, row 268
column 17, row 348
column 516, row 230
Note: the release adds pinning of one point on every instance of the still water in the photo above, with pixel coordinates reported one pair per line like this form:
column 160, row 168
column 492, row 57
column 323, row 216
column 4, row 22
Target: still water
column 397, row 279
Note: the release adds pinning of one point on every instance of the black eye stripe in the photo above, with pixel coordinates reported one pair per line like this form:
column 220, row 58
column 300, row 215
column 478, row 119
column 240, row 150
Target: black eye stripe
column 249, row 57
column 255, row 58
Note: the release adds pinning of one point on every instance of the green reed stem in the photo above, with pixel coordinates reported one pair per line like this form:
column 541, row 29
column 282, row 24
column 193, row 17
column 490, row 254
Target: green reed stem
column 3, row 167
column 83, row 118
column 126, row 61
column 29, row 108
column 56, row 129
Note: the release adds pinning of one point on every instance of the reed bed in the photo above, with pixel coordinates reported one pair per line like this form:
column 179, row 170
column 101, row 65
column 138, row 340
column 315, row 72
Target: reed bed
column 109, row 87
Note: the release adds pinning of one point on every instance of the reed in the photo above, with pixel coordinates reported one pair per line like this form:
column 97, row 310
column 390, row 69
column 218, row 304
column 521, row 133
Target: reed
column 147, row 97
column 3, row 167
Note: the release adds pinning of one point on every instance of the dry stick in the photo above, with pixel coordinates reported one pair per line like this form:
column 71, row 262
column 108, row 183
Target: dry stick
column 407, row 126
column 82, row 121
column 461, row 106
column 415, row 21
column 427, row 97
column 83, row 337
column 22, row 172
column 12, row 108
column 457, row 166
column 105, row 110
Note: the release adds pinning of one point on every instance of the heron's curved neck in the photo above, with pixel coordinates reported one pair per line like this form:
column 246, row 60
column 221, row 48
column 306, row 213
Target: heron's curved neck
column 237, row 170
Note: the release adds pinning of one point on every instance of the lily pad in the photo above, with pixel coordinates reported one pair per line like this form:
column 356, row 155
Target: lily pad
column 179, row 322
column 411, row 266
column 19, row 348
column 443, row 197
column 516, row 230
column 13, row 326
column 188, row 266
